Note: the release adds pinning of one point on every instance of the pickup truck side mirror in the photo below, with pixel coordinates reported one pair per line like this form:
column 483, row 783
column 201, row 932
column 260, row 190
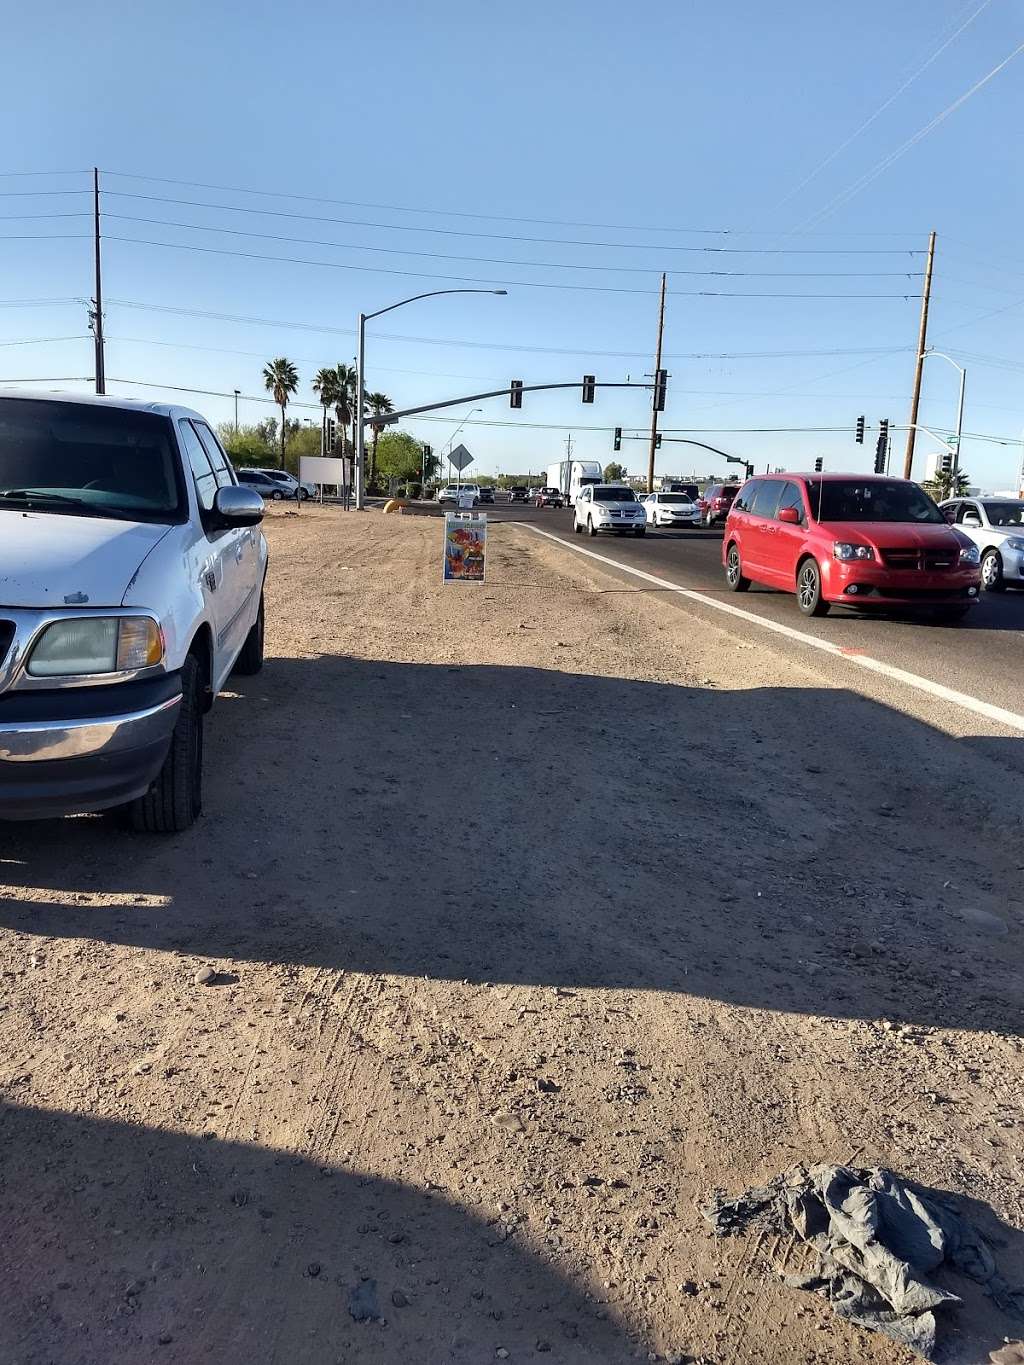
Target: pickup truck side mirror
column 237, row 506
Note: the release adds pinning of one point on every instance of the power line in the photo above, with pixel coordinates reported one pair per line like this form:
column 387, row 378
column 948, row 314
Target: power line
column 36, row 194
column 476, row 279
column 887, row 161
column 36, row 303
column 24, row 175
column 517, row 237
column 495, row 345
column 39, row 341
column 453, row 213
column 880, row 110
column 541, row 265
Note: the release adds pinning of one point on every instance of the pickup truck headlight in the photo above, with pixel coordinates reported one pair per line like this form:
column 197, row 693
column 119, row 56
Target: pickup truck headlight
column 97, row 644
column 846, row 551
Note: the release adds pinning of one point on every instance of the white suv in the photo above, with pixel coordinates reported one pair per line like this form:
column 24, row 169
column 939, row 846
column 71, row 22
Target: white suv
column 459, row 494
column 996, row 526
column 131, row 584
column 608, row 507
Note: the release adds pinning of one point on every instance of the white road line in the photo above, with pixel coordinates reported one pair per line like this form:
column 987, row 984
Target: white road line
column 980, row 708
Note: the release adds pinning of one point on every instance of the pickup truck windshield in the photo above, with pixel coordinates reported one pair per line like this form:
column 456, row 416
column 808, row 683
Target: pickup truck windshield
column 871, row 500
column 87, row 460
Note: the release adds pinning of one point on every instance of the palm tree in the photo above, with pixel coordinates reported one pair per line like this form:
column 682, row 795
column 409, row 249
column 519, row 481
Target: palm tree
column 324, row 384
column 281, row 378
column 345, row 399
column 944, row 484
column 379, row 404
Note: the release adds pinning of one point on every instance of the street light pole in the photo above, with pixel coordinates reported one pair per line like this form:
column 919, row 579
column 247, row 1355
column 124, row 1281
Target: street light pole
column 360, row 451
column 960, row 405
column 451, row 439
column 237, row 392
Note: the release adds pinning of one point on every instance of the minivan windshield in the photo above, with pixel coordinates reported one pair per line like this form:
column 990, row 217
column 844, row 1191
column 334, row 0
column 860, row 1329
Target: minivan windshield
column 871, row 500
column 614, row 495
column 81, row 459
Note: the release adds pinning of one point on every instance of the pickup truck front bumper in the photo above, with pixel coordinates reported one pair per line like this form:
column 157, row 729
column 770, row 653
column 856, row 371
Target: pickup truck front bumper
column 68, row 751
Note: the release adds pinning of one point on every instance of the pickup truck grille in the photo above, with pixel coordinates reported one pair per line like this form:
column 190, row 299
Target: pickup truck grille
column 929, row 561
column 6, row 636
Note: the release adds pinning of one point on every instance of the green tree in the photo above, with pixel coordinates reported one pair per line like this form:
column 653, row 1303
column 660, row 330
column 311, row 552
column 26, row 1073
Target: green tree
column 614, row 472
column 281, row 378
column 344, row 398
column 943, row 484
column 379, row 404
column 399, row 456
column 324, row 384
column 249, row 445
column 301, row 440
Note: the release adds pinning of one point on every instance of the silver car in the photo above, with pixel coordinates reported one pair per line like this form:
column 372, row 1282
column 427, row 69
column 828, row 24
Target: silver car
column 996, row 526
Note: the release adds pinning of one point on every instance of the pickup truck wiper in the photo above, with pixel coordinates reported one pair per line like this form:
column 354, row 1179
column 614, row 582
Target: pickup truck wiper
column 29, row 497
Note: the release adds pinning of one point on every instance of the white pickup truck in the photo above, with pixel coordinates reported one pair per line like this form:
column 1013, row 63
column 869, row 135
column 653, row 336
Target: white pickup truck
column 132, row 567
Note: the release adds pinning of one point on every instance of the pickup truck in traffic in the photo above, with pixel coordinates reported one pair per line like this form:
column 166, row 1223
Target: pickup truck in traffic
column 132, row 567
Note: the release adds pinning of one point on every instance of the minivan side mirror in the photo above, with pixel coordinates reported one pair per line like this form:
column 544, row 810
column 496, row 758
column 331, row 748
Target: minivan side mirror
column 237, row 506
column 790, row 515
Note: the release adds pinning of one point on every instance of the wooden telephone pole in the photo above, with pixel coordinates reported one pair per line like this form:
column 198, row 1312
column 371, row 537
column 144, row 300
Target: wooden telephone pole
column 922, row 345
column 654, row 399
column 100, row 367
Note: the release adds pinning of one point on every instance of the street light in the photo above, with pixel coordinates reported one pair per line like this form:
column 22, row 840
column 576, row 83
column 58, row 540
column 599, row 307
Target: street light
column 361, row 369
column 237, row 392
column 451, row 438
column 960, row 406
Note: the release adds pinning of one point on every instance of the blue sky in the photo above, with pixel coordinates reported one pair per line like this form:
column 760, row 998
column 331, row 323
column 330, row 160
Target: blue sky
column 459, row 122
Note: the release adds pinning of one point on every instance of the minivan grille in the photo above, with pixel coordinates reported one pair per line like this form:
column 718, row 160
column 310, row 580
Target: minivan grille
column 928, row 560
column 6, row 636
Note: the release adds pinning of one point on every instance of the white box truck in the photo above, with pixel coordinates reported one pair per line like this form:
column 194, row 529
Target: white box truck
column 572, row 475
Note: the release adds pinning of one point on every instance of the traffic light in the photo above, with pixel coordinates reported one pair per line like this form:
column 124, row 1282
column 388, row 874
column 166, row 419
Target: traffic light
column 946, row 464
column 818, row 463
column 657, row 441
column 860, row 431
column 617, row 443
column 428, row 454
column 588, row 388
column 515, row 397
column 882, row 446
column 660, row 388
column 332, row 427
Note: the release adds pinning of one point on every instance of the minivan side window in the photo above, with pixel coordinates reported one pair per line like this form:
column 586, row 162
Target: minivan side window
column 205, row 479
column 792, row 496
column 745, row 497
column 766, row 499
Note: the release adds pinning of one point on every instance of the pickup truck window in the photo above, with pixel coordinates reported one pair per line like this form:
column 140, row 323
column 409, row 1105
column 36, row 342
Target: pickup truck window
column 87, row 460
column 205, row 479
column 219, row 461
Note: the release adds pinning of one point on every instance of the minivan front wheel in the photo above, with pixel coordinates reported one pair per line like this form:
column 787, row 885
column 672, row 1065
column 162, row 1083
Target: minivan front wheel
column 734, row 571
column 808, row 590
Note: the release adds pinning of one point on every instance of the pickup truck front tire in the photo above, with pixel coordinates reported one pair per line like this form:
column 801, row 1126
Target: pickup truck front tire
column 175, row 800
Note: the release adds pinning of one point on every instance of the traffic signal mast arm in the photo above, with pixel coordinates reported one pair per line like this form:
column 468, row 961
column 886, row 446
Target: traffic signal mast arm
column 386, row 418
column 686, row 441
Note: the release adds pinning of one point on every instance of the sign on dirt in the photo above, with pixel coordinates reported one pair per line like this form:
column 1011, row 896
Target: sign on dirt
column 465, row 546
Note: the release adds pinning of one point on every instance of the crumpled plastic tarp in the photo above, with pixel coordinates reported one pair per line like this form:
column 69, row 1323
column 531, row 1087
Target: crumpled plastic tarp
column 878, row 1239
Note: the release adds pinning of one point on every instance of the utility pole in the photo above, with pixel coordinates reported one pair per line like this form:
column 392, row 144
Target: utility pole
column 237, row 392
column 100, row 366
column 922, row 344
column 654, row 403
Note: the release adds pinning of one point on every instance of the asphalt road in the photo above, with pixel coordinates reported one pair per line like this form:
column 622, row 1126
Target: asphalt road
column 981, row 656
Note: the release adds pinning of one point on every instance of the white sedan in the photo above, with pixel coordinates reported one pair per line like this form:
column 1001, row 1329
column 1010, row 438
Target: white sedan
column 996, row 526
column 671, row 509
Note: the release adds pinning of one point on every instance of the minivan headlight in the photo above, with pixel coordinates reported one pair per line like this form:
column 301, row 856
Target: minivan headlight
column 96, row 644
column 845, row 550
column 970, row 554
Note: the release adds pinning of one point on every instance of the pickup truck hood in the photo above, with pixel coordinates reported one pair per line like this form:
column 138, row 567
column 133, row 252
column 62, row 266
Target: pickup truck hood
column 49, row 560
column 896, row 535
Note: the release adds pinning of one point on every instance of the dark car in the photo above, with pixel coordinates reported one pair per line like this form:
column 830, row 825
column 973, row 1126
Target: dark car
column 715, row 501
column 549, row 497
column 674, row 486
column 518, row 493
column 486, row 494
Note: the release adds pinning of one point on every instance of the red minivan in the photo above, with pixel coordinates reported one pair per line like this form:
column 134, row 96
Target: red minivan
column 860, row 540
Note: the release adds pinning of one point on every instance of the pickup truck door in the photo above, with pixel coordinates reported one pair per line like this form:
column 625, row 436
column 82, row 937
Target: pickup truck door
column 249, row 536
column 220, row 560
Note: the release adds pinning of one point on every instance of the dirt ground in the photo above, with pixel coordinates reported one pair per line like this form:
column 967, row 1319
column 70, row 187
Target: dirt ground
column 539, row 910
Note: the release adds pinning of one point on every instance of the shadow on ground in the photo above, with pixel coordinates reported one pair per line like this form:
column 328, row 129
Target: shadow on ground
column 804, row 850
column 209, row 1250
